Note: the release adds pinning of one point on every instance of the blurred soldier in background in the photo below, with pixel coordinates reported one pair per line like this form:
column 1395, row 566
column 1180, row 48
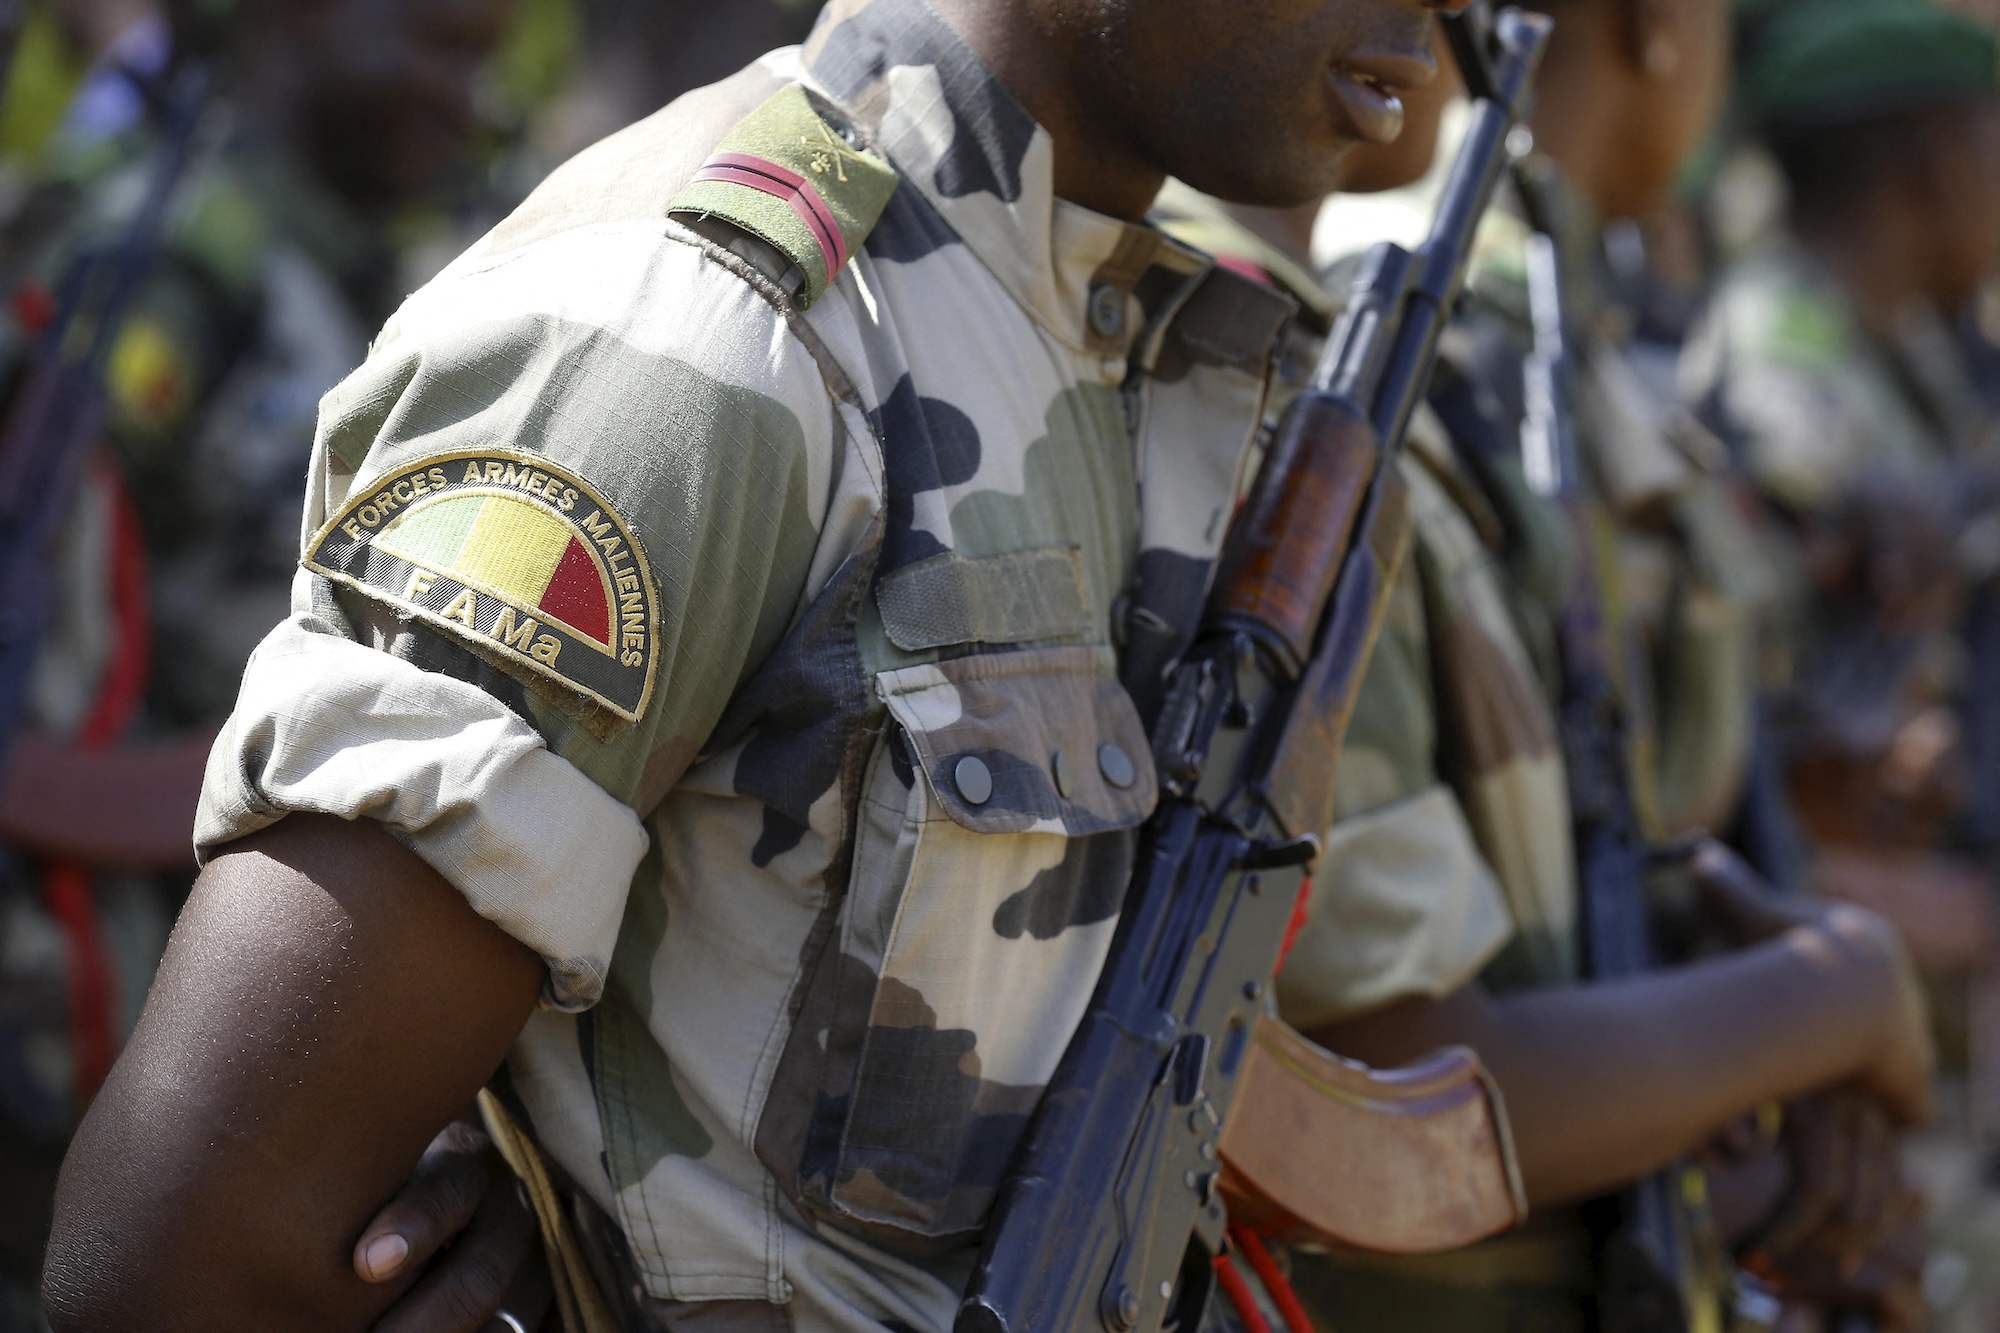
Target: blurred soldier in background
column 638, row 55
column 275, row 269
column 1447, row 908
column 1830, row 363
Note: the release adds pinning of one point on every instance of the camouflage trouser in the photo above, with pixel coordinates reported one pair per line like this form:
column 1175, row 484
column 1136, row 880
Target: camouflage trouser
column 1522, row 1284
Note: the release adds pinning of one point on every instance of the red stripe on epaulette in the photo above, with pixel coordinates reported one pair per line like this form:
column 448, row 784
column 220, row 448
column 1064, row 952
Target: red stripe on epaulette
column 783, row 183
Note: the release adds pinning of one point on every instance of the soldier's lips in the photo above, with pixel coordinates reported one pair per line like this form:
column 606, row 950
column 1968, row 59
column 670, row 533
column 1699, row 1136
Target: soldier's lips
column 1374, row 111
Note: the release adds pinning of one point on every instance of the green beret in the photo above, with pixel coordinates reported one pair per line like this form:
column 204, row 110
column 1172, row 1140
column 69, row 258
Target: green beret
column 1820, row 63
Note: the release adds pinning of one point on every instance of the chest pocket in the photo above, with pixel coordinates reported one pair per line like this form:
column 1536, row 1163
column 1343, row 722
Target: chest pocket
column 992, row 851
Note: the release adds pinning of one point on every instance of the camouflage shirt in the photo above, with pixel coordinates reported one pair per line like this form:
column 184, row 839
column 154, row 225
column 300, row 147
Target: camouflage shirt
column 742, row 575
column 1681, row 567
column 1453, row 785
column 1813, row 403
column 1806, row 395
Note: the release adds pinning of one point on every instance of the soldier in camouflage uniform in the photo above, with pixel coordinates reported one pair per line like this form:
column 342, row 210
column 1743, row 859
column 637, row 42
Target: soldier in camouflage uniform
column 1447, row 907
column 1827, row 361
column 740, row 581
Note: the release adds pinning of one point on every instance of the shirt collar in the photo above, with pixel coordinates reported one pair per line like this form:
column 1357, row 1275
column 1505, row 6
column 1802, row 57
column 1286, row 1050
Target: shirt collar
column 933, row 108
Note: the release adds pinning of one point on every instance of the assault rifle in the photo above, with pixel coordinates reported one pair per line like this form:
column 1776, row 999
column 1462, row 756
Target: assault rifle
column 56, row 413
column 1642, row 1238
column 1110, row 1217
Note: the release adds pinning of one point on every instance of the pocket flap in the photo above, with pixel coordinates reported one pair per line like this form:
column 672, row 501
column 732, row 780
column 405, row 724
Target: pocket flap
column 1017, row 742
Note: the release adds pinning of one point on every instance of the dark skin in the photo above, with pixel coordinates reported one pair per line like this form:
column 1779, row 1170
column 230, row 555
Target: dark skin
column 401, row 79
column 365, row 1003
column 377, row 95
column 1925, row 226
column 329, row 1004
column 1611, row 1082
column 1135, row 92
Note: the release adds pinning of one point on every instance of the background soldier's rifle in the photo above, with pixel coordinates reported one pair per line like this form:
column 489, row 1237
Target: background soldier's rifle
column 13, row 17
column 56, row 413
column 1109, row 1218
column 1643, row 1238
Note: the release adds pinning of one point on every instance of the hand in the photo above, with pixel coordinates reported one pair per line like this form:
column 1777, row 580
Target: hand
column 1845, row 1196
column 1837, row 935
column 1742, row 902
column 462, row 1208
column 1885, row 1287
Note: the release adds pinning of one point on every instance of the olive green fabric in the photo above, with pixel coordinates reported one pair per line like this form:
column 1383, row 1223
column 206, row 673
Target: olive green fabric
column 788, row 132
column 1826, row 62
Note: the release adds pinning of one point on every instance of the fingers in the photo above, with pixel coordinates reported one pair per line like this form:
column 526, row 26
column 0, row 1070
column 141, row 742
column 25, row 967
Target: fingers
column 1850, row 1236
column 440, row 1199
column 473, row 1280
column 1739, row 897
column 1871, row 1210
column 528, row 1300
column 1821, row 1158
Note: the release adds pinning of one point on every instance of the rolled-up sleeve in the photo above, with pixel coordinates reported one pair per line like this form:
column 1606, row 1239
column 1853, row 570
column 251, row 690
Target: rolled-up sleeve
column 1403, row 907
column 615, row 457
column 1404, row 903
column 327, row 726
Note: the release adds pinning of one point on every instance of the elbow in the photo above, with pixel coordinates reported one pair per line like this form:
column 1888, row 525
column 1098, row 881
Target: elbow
column 110, row 1241
column 86, row 1287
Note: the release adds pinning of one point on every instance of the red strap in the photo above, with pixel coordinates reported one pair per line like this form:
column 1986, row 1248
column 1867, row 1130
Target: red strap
column 1240, row 1296
column 1301, row 913
column 66, row 890
column 34, row 308
column 92, row 1025
column 1275, row 1283
column 123, row 687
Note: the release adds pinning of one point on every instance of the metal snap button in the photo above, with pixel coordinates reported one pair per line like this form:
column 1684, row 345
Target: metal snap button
column 1065, row 775
column 974, row 779
column 1116, row 766
column 1107, row 311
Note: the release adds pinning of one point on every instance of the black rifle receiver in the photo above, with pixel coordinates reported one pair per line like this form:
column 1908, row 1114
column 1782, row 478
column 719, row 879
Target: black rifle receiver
column 1109, row 1217
column 56, row 414
column 1642, row 1240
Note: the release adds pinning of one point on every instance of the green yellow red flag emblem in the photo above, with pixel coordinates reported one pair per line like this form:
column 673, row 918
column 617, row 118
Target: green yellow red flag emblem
column 513, row 554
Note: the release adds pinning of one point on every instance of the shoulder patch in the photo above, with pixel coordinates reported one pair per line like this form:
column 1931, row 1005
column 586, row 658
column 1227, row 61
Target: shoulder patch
column 513, row 555
column 787, row 176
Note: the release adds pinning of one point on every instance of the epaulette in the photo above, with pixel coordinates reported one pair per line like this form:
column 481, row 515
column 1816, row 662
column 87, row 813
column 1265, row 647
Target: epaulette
column 789, row 177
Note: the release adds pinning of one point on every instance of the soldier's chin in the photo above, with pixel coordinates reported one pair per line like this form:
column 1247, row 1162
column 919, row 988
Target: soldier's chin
column 1267, row 181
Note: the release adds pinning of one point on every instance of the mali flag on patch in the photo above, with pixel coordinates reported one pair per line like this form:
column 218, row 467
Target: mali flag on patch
column 514, row 555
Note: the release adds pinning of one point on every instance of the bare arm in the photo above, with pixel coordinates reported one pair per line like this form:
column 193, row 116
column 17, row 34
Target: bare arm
column 1608, row 1083
column 328, row 1004
column 106, row 809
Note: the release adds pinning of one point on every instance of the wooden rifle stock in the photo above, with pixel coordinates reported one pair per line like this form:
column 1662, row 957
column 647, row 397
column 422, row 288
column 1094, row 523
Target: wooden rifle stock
column 1425, row 1162
column 1293, row 533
